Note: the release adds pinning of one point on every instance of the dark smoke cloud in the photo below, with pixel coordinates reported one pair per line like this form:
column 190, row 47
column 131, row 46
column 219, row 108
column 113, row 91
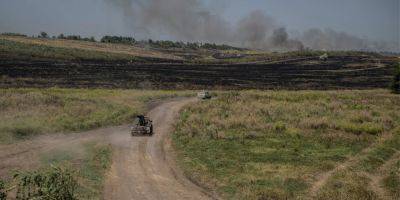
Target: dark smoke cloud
column 253, row 30
column 177, row 19
column 280, row 39
column 190, row 20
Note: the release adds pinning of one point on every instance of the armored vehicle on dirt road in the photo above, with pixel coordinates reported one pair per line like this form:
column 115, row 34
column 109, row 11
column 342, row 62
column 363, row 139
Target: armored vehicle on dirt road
column 142, row 126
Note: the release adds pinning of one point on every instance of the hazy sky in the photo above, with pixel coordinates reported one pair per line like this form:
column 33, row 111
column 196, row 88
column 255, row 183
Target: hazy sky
column 377, row 19
column 372, row 19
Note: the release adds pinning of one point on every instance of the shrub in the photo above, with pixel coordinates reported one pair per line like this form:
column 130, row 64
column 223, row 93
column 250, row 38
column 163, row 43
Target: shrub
column 43, row 35
column 396, row 81
column 3, row 194
column 53, row 183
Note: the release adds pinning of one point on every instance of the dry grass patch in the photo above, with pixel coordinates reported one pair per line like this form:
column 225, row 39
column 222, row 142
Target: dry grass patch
column 92, row 46
column 273, row 144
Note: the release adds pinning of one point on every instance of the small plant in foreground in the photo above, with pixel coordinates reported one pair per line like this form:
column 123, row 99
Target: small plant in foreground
column 53, row 183
column 3, row 194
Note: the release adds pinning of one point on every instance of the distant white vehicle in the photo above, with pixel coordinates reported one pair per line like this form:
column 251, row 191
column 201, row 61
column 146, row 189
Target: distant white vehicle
column 204, row 95
column 324, row 56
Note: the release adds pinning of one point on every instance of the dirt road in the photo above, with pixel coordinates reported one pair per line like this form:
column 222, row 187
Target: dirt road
column 142, row 168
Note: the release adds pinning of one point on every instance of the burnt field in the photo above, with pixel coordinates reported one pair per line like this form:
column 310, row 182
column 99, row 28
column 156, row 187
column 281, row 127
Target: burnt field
column 339, row 72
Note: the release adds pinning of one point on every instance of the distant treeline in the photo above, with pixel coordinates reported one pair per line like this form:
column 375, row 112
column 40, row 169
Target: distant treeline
column 14, row 34
column 164, row 44
column 189, row 45
column 76, row 37
column 118, row 39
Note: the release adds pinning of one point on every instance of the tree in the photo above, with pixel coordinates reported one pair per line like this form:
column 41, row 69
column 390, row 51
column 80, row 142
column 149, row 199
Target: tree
column 396, row 81
column 91, row 39
column 118, row 40
column 43, row 35
column 61, row 36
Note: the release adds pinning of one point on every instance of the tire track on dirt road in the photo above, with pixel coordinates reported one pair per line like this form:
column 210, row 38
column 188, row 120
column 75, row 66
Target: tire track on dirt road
column 141, row 167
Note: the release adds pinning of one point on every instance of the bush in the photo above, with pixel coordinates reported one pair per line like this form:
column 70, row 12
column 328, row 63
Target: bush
column 3, row 194
column 43, row 35
column 53, row 183
column 396, row 81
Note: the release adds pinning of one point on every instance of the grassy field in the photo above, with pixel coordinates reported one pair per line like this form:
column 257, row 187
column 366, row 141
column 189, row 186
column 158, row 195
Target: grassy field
column 29, row 51
column 29, row 112
column 293, row 145
column 71, row 49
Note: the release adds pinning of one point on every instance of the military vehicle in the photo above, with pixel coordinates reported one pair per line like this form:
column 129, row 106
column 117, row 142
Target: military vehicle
column 204, row 95
column 142, row 126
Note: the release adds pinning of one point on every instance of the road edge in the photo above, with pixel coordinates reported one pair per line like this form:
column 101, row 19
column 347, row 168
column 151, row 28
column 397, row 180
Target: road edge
column 170, row 156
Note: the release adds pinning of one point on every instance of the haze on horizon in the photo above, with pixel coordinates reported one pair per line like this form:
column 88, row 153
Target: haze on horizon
column 261, row 24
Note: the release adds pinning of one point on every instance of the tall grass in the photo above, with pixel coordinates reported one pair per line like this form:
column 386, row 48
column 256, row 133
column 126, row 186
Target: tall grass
column 28, row 112
column 272, row 144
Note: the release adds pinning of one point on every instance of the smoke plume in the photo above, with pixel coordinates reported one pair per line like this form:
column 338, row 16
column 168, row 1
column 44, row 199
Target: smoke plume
column 190, row 20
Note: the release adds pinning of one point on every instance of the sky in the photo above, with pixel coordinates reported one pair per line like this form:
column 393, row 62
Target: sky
column 377, row 19
column 373, row 20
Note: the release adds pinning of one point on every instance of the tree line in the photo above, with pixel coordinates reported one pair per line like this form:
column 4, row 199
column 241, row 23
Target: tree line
column 165, row 44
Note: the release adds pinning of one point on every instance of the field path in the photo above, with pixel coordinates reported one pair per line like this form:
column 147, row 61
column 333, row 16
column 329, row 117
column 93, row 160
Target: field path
column 142, row 167
column 377, row 179
column 323, row 178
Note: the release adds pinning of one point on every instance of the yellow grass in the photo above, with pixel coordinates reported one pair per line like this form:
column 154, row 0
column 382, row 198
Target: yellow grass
column 93, row 46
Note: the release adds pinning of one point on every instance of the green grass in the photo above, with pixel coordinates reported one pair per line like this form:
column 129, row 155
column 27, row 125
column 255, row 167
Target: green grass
column 92, row 172
column 392, row 180
column 37, row 51
column 347, row 185
column 351, row 181
column 271, row 145
column 28, row 112
column 380, row 154
column 90, row 161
